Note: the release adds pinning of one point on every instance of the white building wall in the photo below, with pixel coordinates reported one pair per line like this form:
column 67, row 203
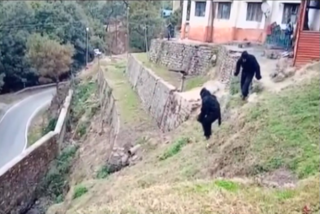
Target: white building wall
column 238, row 15
column 314, row 18
column 196, row 20
column 184, row 11
column 233, row 17
column 242, row 22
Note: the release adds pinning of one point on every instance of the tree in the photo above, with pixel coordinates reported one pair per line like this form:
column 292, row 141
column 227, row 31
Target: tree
column 2, row 75
column 144, row 13
column 176, row 18
column 49, row 57
column 13, row 40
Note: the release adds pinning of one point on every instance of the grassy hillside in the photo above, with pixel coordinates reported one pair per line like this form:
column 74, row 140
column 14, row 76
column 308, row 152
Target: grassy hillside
column 281, row 131
column 264, row 160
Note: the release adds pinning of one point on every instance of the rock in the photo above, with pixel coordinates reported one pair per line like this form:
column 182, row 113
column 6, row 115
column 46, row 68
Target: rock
column 133, row 150
column 274, row 74
column 272, row 55
column 289, row 72
column 279, row 77
column 125, row 160
column 282, row 64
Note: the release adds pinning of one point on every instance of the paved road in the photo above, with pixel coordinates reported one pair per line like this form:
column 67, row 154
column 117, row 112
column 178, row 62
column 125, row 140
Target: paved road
column 13, row 125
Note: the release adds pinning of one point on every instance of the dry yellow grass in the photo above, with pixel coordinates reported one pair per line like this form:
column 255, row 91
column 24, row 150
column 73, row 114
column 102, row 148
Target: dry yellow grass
column 36, row 127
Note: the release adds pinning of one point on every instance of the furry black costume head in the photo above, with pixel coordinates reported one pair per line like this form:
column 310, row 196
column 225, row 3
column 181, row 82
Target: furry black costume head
column 204, row 92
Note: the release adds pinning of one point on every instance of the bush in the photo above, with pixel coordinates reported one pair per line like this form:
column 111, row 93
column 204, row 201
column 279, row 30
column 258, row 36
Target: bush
column 55, row 182
column 50, row 127
column 79, row 191
column 103, row 172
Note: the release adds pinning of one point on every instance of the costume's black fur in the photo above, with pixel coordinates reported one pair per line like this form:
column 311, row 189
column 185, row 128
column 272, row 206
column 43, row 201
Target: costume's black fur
column 210, row 112
column 250, row 67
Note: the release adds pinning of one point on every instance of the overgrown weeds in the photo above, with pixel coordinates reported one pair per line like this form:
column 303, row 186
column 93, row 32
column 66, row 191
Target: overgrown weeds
column 50, row 126
column 82, row 108
column 79, row 191
column 103, row 172
column 55, row 182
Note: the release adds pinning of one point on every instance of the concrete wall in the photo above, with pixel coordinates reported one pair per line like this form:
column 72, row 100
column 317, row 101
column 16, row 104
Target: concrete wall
column 194, row 59
column 159, row 98
column 21, row 176
column 39, row 87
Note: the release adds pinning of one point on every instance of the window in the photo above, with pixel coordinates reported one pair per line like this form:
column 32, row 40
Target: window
column 200, row 8
column 254, row 12
column 224, row 10
column 290, row 13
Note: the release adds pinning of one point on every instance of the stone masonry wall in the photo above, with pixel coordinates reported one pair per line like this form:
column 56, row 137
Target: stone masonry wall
column 195, row 59
column 162, row 100
column 21, row 176
column 226, row 67
column 19, row 182
column 110, row 120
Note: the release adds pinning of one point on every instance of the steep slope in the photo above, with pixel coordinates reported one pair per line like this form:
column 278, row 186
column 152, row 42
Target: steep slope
column 263, row 159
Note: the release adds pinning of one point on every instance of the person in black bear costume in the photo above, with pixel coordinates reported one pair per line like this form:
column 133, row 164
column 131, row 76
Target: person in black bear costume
column 250, row 68
column 210, row 111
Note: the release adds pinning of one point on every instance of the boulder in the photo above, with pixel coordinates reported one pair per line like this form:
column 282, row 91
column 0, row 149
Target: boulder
column 279, row 77
column 282, row 64
column 289, row 72
column 272, row 55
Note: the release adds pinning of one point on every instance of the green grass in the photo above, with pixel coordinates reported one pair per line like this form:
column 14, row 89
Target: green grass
column 170, row 76
column 235, row 85
column 160, row 70
column 128, row 102
column 82, row 93
column 81, row 107
column 227, row 185
column 195, row 82
column 289, row 130
column 79, row 191
column 175, row 148
column 103, row 172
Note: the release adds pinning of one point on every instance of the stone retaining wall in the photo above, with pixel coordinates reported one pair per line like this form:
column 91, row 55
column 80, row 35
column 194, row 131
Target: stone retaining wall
column 162, row 100
column 227, row 67
column 195, row 59
column 21, row 176
column 109, row 114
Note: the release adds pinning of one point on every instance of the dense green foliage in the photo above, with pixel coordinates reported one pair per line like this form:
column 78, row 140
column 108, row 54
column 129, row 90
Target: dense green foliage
column 66, row 22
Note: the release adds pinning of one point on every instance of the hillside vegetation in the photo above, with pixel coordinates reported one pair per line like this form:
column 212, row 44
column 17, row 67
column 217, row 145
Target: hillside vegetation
column 34, row 33
column 264, row 159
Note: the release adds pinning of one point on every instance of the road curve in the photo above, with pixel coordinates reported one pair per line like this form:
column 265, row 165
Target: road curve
column 13, row 125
